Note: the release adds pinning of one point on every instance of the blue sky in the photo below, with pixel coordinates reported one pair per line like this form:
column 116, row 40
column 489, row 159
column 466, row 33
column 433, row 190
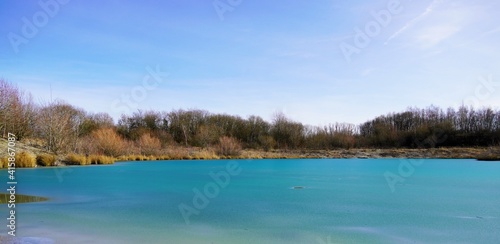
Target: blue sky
column 257, row 58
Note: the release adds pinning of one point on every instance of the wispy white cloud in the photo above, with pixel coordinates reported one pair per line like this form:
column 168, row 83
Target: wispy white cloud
column 415, row 20
column 435, row 34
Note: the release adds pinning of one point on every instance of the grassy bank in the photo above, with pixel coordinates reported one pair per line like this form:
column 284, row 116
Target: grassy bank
column 490, row 155
column 28, row 156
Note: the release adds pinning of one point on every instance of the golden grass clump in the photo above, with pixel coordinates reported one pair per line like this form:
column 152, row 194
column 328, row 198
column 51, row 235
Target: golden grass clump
column 46, row 159
column 160, row 157
column 4, row 163
column 164, row 157
column 101, row 159
column 122, row 158
column 25, row 160
column 76, row 159
column 139, row 158
column 4, row 198
column 130, row 158
column 204, row 154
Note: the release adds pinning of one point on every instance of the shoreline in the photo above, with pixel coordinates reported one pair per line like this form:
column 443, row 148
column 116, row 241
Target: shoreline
column 360, row 153
column 374, row 153
column 37, row 157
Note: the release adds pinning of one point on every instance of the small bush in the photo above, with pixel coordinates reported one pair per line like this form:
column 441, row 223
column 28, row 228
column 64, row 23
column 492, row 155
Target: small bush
column 46, row 160
column 177, row 153
column 25, row 160
column 109, row 142
column 228, row 146
column 149, row 145
column 75, row 159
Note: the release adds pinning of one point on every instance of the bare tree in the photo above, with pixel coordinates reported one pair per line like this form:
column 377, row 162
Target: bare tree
column 58, row 123
column 287, row 133
column 17, row 110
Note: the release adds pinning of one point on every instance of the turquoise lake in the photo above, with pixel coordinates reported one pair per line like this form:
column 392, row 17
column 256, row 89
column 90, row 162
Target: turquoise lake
column 262, row 201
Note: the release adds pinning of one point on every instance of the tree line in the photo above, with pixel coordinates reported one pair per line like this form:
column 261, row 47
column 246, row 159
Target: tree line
column 61, row 128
